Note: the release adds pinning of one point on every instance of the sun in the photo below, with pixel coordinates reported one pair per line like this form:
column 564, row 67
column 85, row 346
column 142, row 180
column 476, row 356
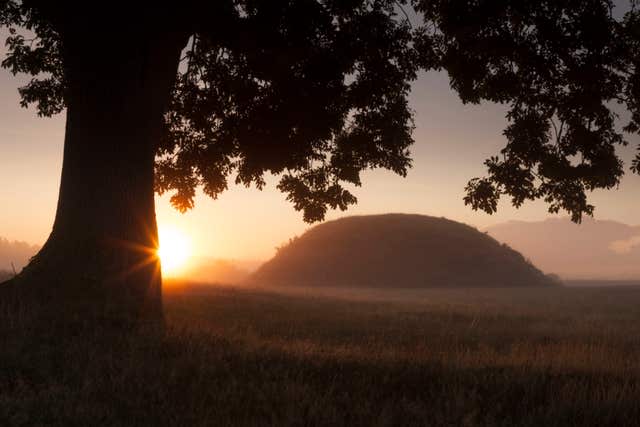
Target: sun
column 174, row 250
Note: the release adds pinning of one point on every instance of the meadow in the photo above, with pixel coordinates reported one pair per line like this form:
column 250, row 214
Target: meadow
column 240, row 357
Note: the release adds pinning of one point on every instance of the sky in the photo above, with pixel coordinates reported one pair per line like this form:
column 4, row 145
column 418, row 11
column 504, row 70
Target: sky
column 452, row 141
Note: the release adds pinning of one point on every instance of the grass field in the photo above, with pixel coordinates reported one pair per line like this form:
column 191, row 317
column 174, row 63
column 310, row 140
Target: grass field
column 236, row 357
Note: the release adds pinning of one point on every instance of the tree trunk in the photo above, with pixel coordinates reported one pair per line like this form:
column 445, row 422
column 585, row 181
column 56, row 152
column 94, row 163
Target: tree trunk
column 102, row 249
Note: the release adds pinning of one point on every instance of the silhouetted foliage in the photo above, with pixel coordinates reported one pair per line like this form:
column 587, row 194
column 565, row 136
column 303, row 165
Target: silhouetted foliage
column 313, row 91
column 316, row 91
column 561, row 66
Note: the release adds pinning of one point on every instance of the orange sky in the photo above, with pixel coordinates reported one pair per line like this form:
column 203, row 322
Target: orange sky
column 452, row 141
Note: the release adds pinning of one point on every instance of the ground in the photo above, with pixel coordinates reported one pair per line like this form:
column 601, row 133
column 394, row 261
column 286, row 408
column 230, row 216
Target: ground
column 236, row 357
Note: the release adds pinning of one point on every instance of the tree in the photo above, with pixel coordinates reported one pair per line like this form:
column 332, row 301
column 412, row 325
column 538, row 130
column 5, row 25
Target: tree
column 172, row 97
column 313, row 91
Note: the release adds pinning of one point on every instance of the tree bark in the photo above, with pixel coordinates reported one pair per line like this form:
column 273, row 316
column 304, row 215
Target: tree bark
column 102, row 248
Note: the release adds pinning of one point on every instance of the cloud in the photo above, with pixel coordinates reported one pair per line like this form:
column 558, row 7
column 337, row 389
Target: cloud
column 625, row 246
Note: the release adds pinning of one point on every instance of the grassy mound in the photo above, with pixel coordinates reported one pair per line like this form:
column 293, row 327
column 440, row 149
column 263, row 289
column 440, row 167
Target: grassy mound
column 398, row 250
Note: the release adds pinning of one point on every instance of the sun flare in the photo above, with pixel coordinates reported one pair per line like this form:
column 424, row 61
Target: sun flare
column 174, row 250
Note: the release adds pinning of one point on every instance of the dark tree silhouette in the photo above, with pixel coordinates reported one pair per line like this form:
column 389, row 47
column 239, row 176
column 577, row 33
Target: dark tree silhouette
column 313, row 91
column 560, row 66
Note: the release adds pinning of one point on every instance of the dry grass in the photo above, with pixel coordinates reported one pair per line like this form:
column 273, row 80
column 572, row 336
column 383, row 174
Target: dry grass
column 510, row 357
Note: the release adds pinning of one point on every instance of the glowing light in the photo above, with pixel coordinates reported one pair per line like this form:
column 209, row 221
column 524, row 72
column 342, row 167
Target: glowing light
column 174, row 250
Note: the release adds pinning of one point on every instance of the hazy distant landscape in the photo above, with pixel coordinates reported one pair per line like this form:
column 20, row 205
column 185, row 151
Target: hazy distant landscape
column 596, row 251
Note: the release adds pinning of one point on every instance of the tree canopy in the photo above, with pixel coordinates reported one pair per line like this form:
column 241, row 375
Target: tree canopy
column 560, row 66
column 316, row 91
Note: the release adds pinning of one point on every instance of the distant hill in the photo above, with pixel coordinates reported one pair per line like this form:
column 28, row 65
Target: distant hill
column 397, row 250
column 15, row 252
column 592, row 250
